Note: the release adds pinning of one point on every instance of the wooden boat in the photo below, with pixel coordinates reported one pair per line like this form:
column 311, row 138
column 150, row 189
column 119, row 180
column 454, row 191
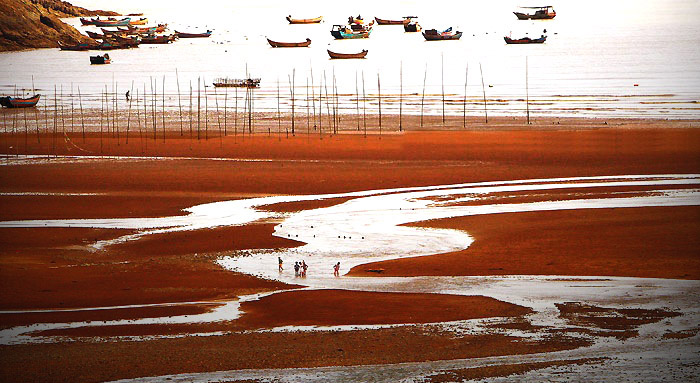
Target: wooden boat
column 434, row 35
column 158, row 39
column 76, row 47
column 104, row 59
column 356, row 20
column 13, row 102
column 412, row 26
column 405, row 21
column 237, row 83
column 128, row 42
column 343, row 32
column 85, row 21
column 525, row 40
column 335, row 55
column 95, row 35
column 277, row 44
column 112, row 22
column 304, row 21
column 541, row 13
column 141, row 21
column 185, row 35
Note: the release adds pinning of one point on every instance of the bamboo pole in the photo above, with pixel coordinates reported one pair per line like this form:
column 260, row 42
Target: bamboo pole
column 191, row 114
column 483, row 89
column 26, row 133
column 527, row 93
column 333, row 100
column 72, row 108
column 279, row 117
column 464, row 101
column 199, row 103
column 138, row 119
column 206, row 110
column 401, row 96
column 308, row 123
column 357, row 102
column 128, row 113
column 422, row 99
column 225, row 110
column 364, row 104
column 292, row 89
column 115, row 114
column 153, row 110
column 218, row 116
column 82, row 116
column 379, row 98
column 235, row 114
column 104, row 95
column 162, row 108
column 313, row 97
column 179, row 100
column 442, row 82
column 145, row 117
column 63, row 120
column 36, row 113
column 328, row 107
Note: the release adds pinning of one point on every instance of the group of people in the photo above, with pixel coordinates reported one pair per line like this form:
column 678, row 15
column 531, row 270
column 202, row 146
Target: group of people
column 301, row 267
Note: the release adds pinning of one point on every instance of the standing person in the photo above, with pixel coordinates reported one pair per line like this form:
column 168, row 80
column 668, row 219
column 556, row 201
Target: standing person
column 279, row 259
column 128, row 95
column 296, row 269
column 304, row 266
column 336, row 269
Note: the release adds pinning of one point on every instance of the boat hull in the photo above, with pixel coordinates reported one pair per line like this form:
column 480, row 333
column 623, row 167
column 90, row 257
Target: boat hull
column 340, row 35
column 527, row 16
column 12, row 102
column 278, row 44
column 525, row 40
column 185, row 35
column 304, row 21
column 99, row 60
column 412, row 27
column 440, row 37
column 112, row 23
column 391, row 22
column 359, row 55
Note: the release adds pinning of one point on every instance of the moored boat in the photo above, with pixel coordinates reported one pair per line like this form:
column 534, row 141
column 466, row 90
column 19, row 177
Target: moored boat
column 304, row 21
column 343, row 32
column 158, row 39
column 111, row 22
column 277, row 44
column 95, row 35
column 76, row 47
column 141, row 21
column 412, row 26
column 447, row 34
column 15, row 102
column 406, row 20
column 335, row 55
column 186, row 35
column 237, row 83
column 104, row 59
column 525, row 40
column 541, row 13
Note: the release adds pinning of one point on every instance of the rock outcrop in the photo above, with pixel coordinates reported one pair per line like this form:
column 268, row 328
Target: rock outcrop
column 28, row 24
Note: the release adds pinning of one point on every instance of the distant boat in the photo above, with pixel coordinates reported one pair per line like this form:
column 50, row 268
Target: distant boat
column 277, row 44
column 542, row 13
column 160, row 39
column 185, row 35
column 112, row 22
column 405, row 21
column 76, row 47
column 412, row 26
column 335, row 55
column 104, row 59
column 141, row 21
column 343, row 32
column 447, row 34
column 95, row 35
column 237, row 83
column 525, row 40
column 304, row 21
column 13, row 102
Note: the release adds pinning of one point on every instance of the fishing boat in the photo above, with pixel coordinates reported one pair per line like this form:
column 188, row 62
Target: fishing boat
column 412, row 26
column 111, row 22
column 14, row 102
column 158, row 39
column 104, row 59
column 335, row 55
column 525, row 40
column 343, row 32
column 95, row 35
column 76, row 47
column 277, row 44
column 186, row 35
column 141, row 21
column 406, row 20
column 541, row 13
column 85, row 21
column 356, row 20
column 447, row 34
column 226, row 82
column 304, row 21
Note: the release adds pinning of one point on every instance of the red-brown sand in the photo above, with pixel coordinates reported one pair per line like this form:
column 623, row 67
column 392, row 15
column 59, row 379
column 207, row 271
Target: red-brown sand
column 655, row 242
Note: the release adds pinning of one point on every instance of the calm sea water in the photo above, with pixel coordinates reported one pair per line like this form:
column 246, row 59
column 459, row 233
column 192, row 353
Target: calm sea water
column 595, row 54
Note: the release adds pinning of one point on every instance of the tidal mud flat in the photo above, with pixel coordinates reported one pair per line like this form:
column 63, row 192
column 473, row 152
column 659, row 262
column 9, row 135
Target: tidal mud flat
column 584, row 254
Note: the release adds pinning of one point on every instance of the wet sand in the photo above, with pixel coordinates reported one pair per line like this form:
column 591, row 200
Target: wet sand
column 53, row 268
